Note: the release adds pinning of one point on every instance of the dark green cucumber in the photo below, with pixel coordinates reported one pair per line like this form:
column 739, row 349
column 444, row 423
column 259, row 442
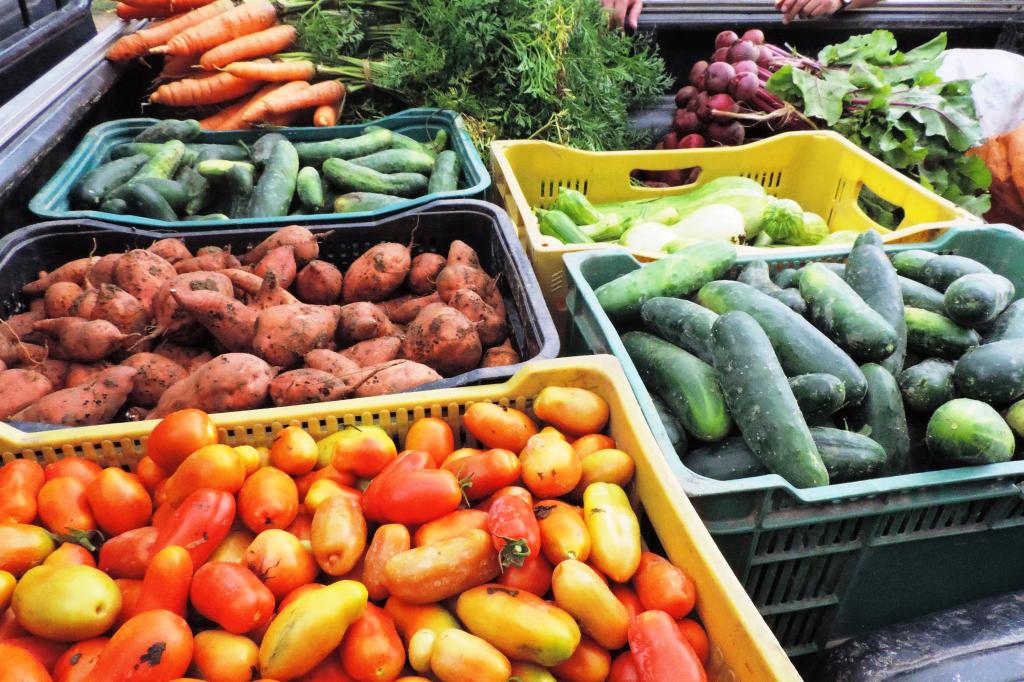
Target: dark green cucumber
column 349, row 176
column 170, row 129
column 101, row 181
column 965, row 431
column 240, row 187
column 143, row 200
column 556, row 224
column 172, row 191
column 688, row 385
column 364, row 201
column 227, row 152
column 674, row 430
column 1009, row 324
column 680, row 274
column 870, row 273
column 397, row 161
column 917, row 295
column 836, row 309
column 164, row 163
column 927, row 385
column 439, row 143
column 114, row 205
column 818, row 395
column 400, row 141
column 882, row 418
column 208, row 216
column 941, row 271
column 314, row 153
column 132, row 148
column 993, row 373
column 263, row 148
column 786, row 278
column 931, row 334
column 755, row 273
column 272, row 195
column 309, row 189
column 800, row 346
column 196, row 187
column 911, row 263
column 727, row 460
column 761, row 401
column 978, row 299
column 681, row 322
column 445, row 177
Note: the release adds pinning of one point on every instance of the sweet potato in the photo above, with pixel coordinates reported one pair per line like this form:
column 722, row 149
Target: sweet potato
column 19, row 326
column 319, row 283
column 82, row 373
column 500, row 356
column 141, row 274
column 102, row 271
column 81, row 339
column 490, row 324
column 271, row 293
column 96, row 402
column 285, row 333
column 176, row 323
column 376, row 274
column 171, row 250
column 455, row 277
column 59, row 298
column 231, row 322
column 85, row 304
column 304, row 386
column 244, row 281
column 423, row 273
column 14, row 353
column 189, row 358
column 121, row 309
column 362, row 321
column 233, row 381
column 19, row 388
column 461, row 253
column 395, row 377
column 404, row 309
column 54, row 370
column 337, row 365
column 306, row 246
column 155, row 375
column 73, row 271
column 211, row 261
column 374, row 351
column 444, row 339
column 281, row 262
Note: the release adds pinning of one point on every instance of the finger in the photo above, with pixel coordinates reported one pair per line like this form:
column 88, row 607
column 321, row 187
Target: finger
column 634, row 14
column 619, row 14
column 792, row 9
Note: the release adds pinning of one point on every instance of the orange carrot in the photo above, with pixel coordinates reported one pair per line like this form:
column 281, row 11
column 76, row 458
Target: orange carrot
column 259, row 44
column 260, row 109
column 213, row 89
column 179, row 6
column 177, row 67
column 213, row 121
column 139, row 43
column 283, row 120
column 324, row 92
column 128, row 12
column 236, row 120
column 249, row 17
column 299, row 70
column 327, row 115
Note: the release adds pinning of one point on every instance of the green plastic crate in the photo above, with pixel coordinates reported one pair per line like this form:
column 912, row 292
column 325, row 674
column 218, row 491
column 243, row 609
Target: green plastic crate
column 824, row 564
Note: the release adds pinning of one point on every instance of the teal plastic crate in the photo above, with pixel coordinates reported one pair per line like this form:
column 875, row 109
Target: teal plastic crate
column 51, row 201
column 824, row 564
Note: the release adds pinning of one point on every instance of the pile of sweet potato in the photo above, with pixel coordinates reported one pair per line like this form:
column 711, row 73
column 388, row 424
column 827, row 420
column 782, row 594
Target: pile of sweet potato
column 143, row 333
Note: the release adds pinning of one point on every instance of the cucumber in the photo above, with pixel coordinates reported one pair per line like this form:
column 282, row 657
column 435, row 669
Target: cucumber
column 101, row 181
column 761, row 401
column 882, row 418
column 911, row 263
column 197, row 189
column 836, row 309
column 445, row 177
column 688, row 385
column 397, row 161
column 348, row 176
column 681, row 322
column 1015, row 417
column 576, row 205
column 674, row 430
column 786, row 278
column 263, row 148
column 870, row 273
column 993, row 373
column 173, row 192
column 227, row 152
column 272, row 195
column 132, row 148
column 560, row 226
column 755, row 273
column 215, row 168
column 208, row 216
column 800, row 346
column 315, row 153
column 917, row 295
column 164, row 163
column 936, row 335
column 965, row 431
column 309, row 189
column 400, row 141
column 927, row 385
column 677, row 275
column 838, row 268
column 439, row 143
column 818, row 395
column 170, row 129
column 114, row 205
column 941, row 271
column 1009, row 324
column 728, row 460
column 143, row 200
column 239, row 185
column 978, row 299
column 364, row 201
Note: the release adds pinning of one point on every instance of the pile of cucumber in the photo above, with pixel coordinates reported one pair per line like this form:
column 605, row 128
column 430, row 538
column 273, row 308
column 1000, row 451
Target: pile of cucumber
column 831, row 372
column 163, row 175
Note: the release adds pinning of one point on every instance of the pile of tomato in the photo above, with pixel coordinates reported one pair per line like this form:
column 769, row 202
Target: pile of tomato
column 345, row 559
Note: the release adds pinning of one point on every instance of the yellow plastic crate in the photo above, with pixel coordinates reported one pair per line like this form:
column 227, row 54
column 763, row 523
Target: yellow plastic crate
column 743, row 648
column 821, row 170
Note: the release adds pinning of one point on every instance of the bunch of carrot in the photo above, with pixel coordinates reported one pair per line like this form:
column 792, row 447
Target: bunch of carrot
column 217, row 53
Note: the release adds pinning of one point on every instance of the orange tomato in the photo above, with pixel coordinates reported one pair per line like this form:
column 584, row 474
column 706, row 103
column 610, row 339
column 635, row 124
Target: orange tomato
column 592, row 442
column 624, row 669
column 118, row 500
column 661, row 586
column 128, row 554
column 486, row 472
column 576, row 411
column 23, row 546
column 217, row 467
column 20, row 482
column 432, row 435
column 693, row 633
column 293, row 451
column 531, row 672
column 9, row 626
column 388, row 540
column 550, row 466
column 363, row 450
column 457, row 655
column 178, row 435
column 76, row 664
column 162, row 515
column 563, row 533
column 429, row 574
column 150, row 473
column 552, row 431
column 280, row 561
column 70, row 554
column 223, row 657
column 298, row 592
column 167, row 581
column 46, row 651
column 63, row 506
column 582, row 592
column 411, row 618
column 232, row 549
column 250, row 457
column 338, row 534
column 499, row 427
column 325, row 488
column 75, row 467
column 604, row 466
column 452, row 524
column 518, row 491
column 533, row 576
column 589, row 663
column 130, row 591
column 626, row 595
column 20, row 666
column 7, row 583
column 328, row 670
column 301, row 527
column 268, row 499
column 306, row 481
column 371, row 650
column 232, row 596
column 155, row 645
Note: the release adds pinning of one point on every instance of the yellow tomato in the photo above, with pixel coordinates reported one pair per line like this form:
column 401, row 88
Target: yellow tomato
column 7, row 583
column 575, row 411
column 250, row 457
column 66, row 603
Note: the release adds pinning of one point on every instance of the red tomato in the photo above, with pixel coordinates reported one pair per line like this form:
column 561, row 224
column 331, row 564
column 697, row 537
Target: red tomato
column 75, row 467
column 661, row 586
column 328, row 670
column 46, row 651
column 231, row 596
column 20, row 482
column 130, row 591
column 301, row 527
column 388, row 540
column 128, row 554
column 162, row 515
column 533, row 576
column 363, row 450
column 624, row 669
column 660, row 651
column 155, row 645
column 432, row 435
column 449, row 526
column 693, row 633
column 77, row 662
column 409, row 460
column 118, row 501
column 70, row 554
column 268, row 499
column 626, row 595
column 167, row 580
column 590, row 662
column 415, row 497
column 371, row 650
column 63, row 506
column 280, row 561
column 9, row 626
column 200, row 524
column 484, row 472
column 514, row 531
column 178, row 435
column 306, row 481
column 20, row 666
column 518, row 491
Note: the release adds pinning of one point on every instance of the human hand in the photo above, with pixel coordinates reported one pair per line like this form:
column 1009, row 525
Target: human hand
column 806, row 9
column 623, row 12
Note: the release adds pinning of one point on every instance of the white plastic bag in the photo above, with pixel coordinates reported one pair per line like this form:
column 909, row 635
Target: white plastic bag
column 999, row 92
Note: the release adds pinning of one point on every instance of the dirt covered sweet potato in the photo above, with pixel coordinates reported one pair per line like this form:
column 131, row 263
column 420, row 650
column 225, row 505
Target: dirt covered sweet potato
column 455, row 277
column 404, row 309
column 500, row 356
column 83, row 340
column 490, row 324
column 73, row 271
column 279, row 262
column 19, row 388
column 210, row 261
column 319, row 283
column 396, row 377
column 142, row 273
column 461, row 253
column 337, row 365
column 19, row 326
column 444, row 339
column 362, row 321
column 245, row 282
column 305, row 243
column 82, row 373
column 271, row 294
column 233, row 381
column 95, row 402
column 376, row 274
column 121, row 309
column 60, row 297
column 102, row 270
column 231, row 322
column 374, row 351
column 285, row 333
column 188, row 357
column 423, row 273
column 171, row 250
column 155, row 375
column 305, row 386
column 54, row 370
